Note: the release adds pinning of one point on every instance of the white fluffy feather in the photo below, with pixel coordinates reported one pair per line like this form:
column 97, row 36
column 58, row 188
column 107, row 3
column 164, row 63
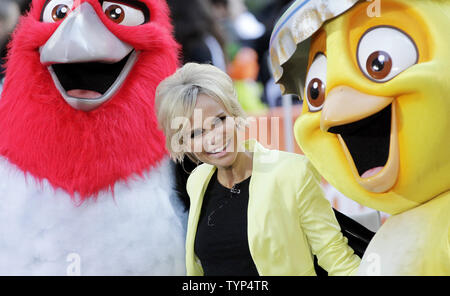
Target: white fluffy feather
column 141, row 231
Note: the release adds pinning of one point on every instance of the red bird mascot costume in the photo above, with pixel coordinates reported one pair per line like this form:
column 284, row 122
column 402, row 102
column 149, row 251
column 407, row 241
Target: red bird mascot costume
column 85, row 184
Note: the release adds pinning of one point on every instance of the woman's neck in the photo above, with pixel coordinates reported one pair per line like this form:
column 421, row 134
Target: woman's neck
column 240, row 170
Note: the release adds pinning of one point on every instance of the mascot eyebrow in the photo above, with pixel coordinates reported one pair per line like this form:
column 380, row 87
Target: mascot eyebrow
column 131, row 3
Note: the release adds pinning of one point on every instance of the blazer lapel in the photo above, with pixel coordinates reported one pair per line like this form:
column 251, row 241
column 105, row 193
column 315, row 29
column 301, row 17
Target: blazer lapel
column 196, row 192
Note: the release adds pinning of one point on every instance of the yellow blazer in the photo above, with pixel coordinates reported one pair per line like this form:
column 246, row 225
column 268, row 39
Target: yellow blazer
column 289, row 219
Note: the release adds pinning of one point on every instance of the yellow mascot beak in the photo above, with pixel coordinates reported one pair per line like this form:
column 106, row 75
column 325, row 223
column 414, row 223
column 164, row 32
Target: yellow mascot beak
column 345, row 105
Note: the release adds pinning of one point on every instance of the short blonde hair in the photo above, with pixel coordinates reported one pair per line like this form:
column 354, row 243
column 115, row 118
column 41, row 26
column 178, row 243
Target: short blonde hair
column 176, row 97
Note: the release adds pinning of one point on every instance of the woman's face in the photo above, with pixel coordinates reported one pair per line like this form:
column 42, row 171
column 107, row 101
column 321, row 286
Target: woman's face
column 213, row 137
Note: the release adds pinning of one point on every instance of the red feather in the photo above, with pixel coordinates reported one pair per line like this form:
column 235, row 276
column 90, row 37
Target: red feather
column 85, row 152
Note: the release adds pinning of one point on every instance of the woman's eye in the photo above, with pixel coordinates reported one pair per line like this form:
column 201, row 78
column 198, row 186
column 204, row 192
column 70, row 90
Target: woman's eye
column 316, row 83
column 385, row 52
column 196, row 133
column 218, row 121
column 57, row 10
column 123, row 14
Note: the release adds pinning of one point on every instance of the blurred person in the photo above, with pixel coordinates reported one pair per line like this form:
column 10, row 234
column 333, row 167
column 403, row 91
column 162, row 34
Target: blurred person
column 253, row 211
column 24, row 5
column 244, row 72
column 251, row 28
column 247, row 26
column 268, row 14
column 242, row 28
column 198, row 32
column 240, row 25
column 9, row 16
column 220, row 9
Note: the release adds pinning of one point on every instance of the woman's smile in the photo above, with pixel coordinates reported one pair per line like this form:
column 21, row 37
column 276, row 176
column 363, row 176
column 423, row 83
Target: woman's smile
column 218, row 153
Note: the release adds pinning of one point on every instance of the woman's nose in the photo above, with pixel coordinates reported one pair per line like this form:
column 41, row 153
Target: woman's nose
column 213, row 138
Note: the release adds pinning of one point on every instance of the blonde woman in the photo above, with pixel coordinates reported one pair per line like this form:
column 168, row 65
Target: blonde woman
column 253, row 211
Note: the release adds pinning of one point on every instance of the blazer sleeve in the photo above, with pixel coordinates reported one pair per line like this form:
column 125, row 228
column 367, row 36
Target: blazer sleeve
column 321, row 228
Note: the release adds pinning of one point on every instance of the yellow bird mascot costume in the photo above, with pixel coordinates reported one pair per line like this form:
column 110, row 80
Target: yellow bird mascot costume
column 375, row 79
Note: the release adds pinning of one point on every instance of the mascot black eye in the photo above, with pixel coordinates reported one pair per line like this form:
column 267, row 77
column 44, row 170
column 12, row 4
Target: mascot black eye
column 316, row 92
column 56, row 10
column 316, row 83
column 379, row 64
column 115, row 13
column 384, row 52
column 60, row 12
column 133, row 14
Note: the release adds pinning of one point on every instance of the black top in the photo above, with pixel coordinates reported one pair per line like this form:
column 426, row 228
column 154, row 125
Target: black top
column 221, row 242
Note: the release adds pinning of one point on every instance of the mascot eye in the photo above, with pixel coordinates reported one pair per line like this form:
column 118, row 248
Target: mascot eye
column 56, row 10
column 123, row 14
column 385, row 52
column 316, row 83
column 379, row 64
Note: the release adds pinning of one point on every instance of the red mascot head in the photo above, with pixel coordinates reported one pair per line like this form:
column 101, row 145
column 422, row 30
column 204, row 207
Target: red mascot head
column 77, row 107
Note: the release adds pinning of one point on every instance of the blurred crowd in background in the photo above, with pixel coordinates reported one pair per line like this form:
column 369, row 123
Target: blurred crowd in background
column 10, row 11
column 233, row 35
column 230, row 34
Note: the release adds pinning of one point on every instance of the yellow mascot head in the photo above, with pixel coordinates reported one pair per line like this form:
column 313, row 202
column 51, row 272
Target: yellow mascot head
column 375, row 80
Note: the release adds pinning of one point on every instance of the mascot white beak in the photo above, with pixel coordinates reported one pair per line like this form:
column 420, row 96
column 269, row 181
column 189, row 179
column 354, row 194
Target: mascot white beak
column 83, row 50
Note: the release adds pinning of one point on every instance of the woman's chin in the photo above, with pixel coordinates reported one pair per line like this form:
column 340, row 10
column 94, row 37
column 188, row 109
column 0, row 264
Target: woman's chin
column 221, row 159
